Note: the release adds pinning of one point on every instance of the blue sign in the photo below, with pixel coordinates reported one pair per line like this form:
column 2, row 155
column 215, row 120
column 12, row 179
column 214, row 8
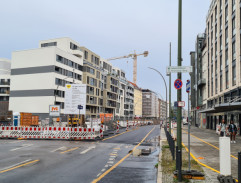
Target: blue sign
column 175, row 104
column 178, row 84
column 80, row 107
column 188, row 86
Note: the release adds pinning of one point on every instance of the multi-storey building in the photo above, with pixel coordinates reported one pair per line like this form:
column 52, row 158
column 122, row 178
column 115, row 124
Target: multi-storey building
column 137, row 101
column 38, row 76
column 162, row 109
column 5, row 66
column 150, row 107
column 92, row 77
column 223, row 76
column 129, row 101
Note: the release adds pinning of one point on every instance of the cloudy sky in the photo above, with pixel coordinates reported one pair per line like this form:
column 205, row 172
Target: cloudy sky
column 111, row 28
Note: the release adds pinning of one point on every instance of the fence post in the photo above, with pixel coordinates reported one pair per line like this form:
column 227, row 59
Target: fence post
column 179, row 166
column 239, row 166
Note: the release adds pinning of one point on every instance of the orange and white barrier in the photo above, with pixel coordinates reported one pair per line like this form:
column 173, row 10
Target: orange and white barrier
column 117, row 127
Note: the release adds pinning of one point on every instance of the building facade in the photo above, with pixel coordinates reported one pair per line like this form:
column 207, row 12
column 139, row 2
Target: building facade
column 150, row 104
column 222, row 55
column 137, row 101
column 5, row 70
column 38, row 76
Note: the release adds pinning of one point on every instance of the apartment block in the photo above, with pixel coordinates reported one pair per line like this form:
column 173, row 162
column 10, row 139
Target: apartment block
column 222, row 56
column 137, row 101
column 38, row 76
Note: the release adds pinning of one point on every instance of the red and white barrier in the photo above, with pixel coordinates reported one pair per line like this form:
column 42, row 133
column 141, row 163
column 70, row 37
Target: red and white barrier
column 127, row 125
column 117, row 127
column 49, row 132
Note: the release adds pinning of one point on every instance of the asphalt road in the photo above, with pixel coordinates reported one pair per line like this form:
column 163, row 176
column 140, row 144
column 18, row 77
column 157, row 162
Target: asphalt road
column 48, row 161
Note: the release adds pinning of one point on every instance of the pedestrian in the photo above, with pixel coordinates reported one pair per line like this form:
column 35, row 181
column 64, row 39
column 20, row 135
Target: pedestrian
column 222, row 128
column 232, row 128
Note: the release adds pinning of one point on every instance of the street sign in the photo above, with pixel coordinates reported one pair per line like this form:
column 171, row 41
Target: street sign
column 188, row 86
column 177, row 69
column 178, row 84
column 181, row 104
column 54, row 110
column 80, row 107
column 75, row 94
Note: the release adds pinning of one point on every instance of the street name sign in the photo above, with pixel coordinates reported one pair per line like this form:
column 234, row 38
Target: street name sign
column 178, row 84
column 54, row 110
column 80, row 107
column 188, row 86
column 177, row 69
column 181, row 103
column 75, row 94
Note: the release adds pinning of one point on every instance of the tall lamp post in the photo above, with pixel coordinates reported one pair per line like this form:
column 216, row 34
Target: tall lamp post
column 166, row 92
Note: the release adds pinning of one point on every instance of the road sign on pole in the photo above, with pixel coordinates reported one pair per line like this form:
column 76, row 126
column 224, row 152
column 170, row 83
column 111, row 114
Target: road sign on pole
column 188, row 86
column 181, row 104
column 178, row 84
column 179, row 69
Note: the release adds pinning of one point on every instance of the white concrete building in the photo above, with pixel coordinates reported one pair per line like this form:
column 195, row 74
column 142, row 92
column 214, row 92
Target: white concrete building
column 38, row 76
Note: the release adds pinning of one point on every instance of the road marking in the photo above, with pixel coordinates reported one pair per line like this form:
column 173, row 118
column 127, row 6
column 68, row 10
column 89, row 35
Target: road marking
column 17, row 141
column 106, row 166
column 23, row 146
column 61, row 148
column 119, row 162
column 85, row 151
column 113, row 154
column 98, row 174
column 103, row 170
column 117, row 135
column 209, row 144
column 117, row 148
column 18, row 166
column 69, row 150
column 110, row 162
column 111, row 159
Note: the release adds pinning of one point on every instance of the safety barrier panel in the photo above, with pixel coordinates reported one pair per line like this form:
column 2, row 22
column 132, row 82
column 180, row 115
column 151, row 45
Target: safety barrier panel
column 49, row 132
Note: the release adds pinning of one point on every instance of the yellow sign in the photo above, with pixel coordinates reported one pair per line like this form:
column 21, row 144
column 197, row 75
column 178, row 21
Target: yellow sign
column 68, row 86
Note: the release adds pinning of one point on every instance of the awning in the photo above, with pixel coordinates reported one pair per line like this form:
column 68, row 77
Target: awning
column 224, row 107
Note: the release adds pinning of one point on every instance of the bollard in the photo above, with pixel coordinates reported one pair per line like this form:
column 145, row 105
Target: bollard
column 239, row 167
column 224, row 155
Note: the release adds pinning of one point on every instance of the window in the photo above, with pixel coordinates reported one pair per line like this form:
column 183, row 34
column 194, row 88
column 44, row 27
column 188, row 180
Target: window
column 233, row 5
column 226, row 35
column 86, row 55
column 221, row 43
column 49, row 44
column 233, row 27
column 234, row 74
column 216, row 85
column 226, row 58
column 227, row 80
column 221, row 6
column 221, row 63
column 234, row 51
column 221, row 82
column 221, row 23
column 226, row 14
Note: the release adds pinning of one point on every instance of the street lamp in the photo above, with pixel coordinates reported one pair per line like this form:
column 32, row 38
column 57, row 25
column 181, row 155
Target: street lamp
column 166, row 92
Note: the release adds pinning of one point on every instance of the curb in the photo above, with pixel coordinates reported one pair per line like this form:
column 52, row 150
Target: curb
column 159, row 171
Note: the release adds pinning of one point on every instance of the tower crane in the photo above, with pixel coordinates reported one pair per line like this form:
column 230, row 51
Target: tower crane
column 134, row 57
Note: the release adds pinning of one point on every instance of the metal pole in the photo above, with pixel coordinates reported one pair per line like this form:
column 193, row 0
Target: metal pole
column 189, row 153
column 239, row 166
column 179, row 92
column 165, row 86
column 170, row 95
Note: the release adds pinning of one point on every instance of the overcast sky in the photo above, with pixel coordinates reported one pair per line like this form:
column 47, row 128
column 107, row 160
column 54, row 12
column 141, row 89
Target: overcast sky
column 110, row 28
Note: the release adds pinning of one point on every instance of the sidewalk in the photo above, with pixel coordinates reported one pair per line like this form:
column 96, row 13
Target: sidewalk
column 205, row 147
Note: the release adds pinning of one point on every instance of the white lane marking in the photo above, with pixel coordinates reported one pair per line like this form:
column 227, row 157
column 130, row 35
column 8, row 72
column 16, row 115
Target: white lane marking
column 103, row 170
column 17, row 141
column 106, row 166
column 85, row 151
column 110, row 162
column 61, row 148
column 111, row 159
column 23, row 146
column 16, row 164
column 98, row 174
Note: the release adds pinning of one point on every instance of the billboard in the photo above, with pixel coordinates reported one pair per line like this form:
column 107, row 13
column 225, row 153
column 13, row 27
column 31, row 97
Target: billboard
column 75, row 95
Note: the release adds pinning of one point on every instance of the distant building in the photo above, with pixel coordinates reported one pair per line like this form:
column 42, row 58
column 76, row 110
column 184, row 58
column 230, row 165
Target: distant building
column 150, row 108
column 5, row 67
column 137, row 101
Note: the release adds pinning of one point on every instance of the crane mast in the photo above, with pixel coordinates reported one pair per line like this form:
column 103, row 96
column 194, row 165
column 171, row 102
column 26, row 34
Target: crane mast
column 134, row 57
